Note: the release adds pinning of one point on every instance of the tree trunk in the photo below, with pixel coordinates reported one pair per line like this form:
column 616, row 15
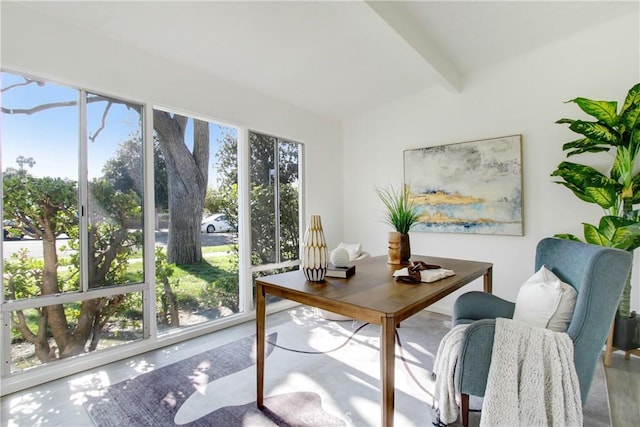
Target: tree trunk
column 55, row 313
column 70, row 341
column 174, row 313
column 187, row 175
column 95, row 333
column 624, row 308
column 39, row 340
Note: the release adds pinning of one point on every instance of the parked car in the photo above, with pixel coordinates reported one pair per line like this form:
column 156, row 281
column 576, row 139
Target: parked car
column 10, row 231
column 216, row 222
column 13, row 231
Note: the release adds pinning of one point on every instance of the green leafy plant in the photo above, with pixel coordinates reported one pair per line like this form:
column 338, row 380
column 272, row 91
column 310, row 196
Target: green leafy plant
column 401, row 213
column 618, row 134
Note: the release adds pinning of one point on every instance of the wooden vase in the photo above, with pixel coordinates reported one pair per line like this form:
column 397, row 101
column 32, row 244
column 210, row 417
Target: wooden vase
column 399, row 248
column 315, row 255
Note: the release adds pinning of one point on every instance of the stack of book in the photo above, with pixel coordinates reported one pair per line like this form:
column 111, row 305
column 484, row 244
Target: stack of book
column 341, row 272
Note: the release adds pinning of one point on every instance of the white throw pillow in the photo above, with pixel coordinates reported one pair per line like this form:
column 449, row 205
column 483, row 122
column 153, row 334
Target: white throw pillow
column 352, row 248
column 545, row 301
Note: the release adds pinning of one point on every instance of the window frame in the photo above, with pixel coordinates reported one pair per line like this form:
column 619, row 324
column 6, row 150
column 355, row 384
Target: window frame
column 146, row 287
column 13, row 382
column 289, row 264
column 301, row 205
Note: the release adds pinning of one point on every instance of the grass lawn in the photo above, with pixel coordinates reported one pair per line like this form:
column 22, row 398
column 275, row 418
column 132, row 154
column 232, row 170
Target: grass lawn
column 195, row 285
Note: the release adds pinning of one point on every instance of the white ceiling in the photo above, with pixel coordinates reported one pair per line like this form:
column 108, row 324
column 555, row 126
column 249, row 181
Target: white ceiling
column 337, row 58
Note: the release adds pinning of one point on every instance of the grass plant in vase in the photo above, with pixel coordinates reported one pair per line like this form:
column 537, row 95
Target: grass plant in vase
column 401, row 215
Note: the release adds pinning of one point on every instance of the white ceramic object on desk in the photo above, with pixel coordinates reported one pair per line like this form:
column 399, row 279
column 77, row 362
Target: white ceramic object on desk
column 340, row 257
column 329, row 315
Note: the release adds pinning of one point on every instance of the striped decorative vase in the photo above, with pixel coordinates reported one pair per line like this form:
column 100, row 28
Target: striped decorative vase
column 315, row 255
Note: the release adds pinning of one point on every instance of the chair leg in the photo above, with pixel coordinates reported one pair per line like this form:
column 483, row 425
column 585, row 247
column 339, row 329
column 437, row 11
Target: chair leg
column 464, row 409
column 609, row 347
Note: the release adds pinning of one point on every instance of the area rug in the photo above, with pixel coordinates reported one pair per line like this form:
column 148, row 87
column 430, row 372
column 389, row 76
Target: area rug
column 318, row 373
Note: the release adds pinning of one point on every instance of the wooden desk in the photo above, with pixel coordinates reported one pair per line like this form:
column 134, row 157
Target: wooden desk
column 371, row 295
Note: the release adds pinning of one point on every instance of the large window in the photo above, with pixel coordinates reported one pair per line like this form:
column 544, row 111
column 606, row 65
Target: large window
column 275, row 203
column 197, row 252
column 70, row 230
column 91, row 261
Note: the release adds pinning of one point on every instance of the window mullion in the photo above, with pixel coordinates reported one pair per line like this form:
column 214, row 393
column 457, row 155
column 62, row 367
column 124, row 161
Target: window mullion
column 245, row 281
column 83, row 191
column 276, row 197
column 5, row 340
column 5, row 316
column 302, row 206
column 149, row 327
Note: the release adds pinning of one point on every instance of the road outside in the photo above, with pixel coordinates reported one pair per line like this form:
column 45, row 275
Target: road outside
column 206, row 239
column 35, row 246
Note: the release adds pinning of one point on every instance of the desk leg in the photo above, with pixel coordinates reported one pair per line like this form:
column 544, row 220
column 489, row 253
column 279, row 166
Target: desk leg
column 488, row 280
column 387, row 369
column 260, row 345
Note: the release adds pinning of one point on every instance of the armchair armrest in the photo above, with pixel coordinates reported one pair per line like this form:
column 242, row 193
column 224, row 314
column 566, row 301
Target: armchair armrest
column 472, row 369
column 478, row 305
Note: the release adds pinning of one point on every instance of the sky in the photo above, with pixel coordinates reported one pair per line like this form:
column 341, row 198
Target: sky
column 50, row 137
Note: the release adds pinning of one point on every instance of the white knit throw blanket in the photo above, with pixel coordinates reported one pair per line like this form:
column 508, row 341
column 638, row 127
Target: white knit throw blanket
column 532, row 379
column 444, row 367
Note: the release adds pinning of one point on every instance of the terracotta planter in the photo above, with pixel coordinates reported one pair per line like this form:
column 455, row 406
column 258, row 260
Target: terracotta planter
column 399, row 248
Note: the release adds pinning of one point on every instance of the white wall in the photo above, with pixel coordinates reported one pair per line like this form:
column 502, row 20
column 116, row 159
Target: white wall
column 37, row 44
column 523, row 96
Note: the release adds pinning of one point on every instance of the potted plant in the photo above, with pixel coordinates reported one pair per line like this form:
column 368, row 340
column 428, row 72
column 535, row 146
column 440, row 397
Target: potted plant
column 401, row 215
column 617, row 191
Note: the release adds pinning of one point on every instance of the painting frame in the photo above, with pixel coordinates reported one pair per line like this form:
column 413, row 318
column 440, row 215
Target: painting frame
column 471, row 187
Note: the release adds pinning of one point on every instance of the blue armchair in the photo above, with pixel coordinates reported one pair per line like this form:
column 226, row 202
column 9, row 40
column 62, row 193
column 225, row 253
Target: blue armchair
column 597, row 273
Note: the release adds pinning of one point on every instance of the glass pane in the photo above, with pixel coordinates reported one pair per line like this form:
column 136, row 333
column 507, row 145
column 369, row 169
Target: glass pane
column 257, row 274
column 196, row 292
column 116, row 179
column 71, row 332
column 289, row 200
column 39, row 136
column 263, row 184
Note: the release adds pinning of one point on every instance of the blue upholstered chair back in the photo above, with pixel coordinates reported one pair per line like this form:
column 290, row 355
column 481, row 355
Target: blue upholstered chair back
column 598, row 274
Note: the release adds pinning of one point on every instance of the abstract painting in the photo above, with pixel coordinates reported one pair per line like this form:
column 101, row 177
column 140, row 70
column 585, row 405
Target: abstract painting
column 470, row 187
